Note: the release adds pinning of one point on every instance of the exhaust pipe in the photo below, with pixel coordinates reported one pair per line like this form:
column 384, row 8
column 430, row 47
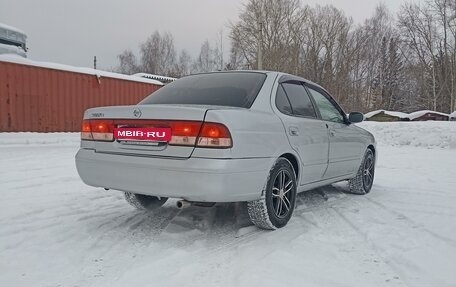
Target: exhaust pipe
column 181, row 204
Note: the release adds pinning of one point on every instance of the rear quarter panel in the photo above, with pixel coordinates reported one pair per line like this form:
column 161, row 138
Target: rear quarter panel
column 255, row 134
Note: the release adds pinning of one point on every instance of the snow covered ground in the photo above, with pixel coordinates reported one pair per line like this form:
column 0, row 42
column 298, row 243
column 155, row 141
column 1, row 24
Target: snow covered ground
column 55, row 231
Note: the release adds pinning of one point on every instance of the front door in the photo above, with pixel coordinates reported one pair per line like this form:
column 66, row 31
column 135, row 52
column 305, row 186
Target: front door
column 344, row 145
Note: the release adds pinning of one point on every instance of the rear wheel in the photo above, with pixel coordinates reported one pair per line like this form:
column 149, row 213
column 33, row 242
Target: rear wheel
column 364, row 179
column 144, row 202
column 275, row 208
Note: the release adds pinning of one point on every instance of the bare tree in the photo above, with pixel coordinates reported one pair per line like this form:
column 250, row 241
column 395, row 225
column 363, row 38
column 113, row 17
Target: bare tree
column 184, row 65
column 158, row 55
column 328, row 49
column 207, row 59
column 128, row 63
column 429, row 32
column 281, row 22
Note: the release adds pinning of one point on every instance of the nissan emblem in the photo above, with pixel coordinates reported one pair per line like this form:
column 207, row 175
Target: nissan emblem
column 137, row 113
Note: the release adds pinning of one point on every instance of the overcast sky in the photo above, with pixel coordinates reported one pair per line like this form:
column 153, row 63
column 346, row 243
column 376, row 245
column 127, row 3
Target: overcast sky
column 72, row 32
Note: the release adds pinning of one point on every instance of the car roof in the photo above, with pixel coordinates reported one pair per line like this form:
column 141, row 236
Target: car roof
column 289, row 77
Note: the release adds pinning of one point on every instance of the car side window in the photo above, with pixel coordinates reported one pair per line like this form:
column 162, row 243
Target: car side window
column 327, row 110
column 282, row 102
column 301, row 104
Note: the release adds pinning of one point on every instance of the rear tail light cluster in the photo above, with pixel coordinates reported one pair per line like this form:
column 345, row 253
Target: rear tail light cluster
column 214, row 135
column 184, row 133
column 97, row 130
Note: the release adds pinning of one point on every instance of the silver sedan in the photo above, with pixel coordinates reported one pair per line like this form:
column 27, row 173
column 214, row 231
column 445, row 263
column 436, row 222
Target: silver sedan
column 254, row 136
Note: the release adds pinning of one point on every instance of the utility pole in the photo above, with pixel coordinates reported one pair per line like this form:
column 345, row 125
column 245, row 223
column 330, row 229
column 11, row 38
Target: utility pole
column 297, row 59
column 95, row 62
column 260, row 49
column 221, row 49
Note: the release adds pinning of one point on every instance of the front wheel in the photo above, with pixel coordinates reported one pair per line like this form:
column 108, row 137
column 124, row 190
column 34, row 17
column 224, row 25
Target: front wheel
column 364, row 179
column 144, row 202
column 275, row 208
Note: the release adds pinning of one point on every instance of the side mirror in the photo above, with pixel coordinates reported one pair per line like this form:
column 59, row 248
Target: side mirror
column 355, row 117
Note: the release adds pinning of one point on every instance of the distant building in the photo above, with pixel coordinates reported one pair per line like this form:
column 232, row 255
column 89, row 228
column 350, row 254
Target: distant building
column 391, row 116
column 427, row 115
column 386, row 116
column 12, row 41
column 165, row 80
column 453, row 116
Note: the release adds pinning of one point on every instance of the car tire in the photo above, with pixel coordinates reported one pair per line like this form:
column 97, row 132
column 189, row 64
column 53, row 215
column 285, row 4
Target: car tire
column 275, row 207
column 144, row 202
column 364, row 179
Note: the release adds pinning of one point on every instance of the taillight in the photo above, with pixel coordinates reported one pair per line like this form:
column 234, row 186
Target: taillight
column 190, row 133
column 214, row 135
column 98, row 130
column 86, row 131
column 183, row 133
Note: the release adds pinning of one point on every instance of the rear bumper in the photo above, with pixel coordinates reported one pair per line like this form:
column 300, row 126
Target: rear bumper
column 193, row 179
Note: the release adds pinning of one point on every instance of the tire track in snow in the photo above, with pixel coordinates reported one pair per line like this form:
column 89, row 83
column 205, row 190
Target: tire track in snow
column 379, row 251
column 444, row 239
column 125, row 238
column 223, row 241
column 394, row 242
column 230, row 223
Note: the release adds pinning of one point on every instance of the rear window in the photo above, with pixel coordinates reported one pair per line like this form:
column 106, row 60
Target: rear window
column 220, row 89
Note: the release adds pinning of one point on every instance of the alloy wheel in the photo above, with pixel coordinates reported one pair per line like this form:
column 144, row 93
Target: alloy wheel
column 368, row 172
column 281, row 194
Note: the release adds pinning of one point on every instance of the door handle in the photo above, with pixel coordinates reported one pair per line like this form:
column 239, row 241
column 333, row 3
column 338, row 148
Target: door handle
column 332, row 133
column 294, row 131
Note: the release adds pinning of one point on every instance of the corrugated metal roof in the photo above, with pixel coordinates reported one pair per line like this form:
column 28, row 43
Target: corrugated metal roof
column 155, row 77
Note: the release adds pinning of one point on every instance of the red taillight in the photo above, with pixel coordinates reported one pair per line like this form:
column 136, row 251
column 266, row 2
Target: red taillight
column 214, row 135
column 183, row 133
column 86, row 131
column 98, row 130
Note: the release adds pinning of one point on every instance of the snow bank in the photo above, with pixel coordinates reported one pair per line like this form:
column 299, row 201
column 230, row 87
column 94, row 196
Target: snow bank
column 430, row 134
column 39, row 138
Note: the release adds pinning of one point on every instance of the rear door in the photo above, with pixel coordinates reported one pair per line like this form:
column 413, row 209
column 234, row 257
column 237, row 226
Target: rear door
column 306, row 133
column 344, row 144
